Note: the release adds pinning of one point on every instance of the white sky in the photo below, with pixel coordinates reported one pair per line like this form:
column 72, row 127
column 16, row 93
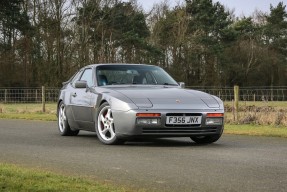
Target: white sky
column 241, row 7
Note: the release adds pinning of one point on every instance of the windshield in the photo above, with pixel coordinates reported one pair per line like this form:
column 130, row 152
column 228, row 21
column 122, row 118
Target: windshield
column 133, row 74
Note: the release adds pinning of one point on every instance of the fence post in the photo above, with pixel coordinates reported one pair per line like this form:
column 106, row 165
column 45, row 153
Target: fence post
column 5, row 96
column 236, row 101
column 43, row 99
column 271, row 93
column 36, row 96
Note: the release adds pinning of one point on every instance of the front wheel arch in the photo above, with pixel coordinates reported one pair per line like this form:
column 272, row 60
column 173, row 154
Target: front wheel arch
column 104, row 125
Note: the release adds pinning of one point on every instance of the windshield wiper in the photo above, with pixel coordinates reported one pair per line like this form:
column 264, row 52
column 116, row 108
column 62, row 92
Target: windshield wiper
column 170, row 84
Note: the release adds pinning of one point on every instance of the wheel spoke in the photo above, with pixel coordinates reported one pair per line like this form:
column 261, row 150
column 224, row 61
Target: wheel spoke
column 102, row 119
column 105, row 130
column 111, row 130
column 64, row 116
column 109, row 113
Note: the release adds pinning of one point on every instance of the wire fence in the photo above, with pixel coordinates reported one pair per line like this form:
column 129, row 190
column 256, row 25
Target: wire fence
column 34, row 95
column 28, row 95
column 248, row 93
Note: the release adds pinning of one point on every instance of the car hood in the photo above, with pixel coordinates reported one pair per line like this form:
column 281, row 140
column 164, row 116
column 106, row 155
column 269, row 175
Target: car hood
column 168, row 98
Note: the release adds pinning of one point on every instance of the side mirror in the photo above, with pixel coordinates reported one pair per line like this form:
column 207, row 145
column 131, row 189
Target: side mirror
column 81, row 84
column 181, row 84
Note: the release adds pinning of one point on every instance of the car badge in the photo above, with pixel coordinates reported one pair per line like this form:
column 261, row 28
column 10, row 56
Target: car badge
column 177, row 101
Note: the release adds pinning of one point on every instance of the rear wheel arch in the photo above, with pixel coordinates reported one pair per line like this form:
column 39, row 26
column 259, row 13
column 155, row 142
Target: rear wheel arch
column 63, row 125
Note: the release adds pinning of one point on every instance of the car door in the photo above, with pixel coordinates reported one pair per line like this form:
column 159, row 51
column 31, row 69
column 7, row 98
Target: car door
column 81, row 101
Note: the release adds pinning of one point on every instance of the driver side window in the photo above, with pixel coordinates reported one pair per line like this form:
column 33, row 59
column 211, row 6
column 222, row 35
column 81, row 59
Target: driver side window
column 87, row 76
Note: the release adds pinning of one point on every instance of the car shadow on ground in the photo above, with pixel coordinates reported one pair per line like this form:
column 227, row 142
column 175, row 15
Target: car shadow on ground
column 150, row 142
column 165, row 142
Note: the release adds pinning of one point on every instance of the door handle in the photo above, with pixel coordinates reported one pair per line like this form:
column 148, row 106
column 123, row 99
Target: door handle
column 74, row 94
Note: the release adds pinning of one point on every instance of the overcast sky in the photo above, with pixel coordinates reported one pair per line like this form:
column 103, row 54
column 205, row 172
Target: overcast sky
column 241, row 7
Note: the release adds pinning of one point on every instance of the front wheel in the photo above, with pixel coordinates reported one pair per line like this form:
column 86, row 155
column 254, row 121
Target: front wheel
column 63, row 124
column 205, row 139
column 105, row 127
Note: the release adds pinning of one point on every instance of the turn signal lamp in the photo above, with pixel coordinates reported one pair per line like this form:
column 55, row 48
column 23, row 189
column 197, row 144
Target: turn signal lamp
column 214, row 118
column 148, row 118
column 148, row 114
column 215, row 115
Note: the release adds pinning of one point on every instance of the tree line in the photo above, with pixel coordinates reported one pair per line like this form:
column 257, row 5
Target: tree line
column 200, row 42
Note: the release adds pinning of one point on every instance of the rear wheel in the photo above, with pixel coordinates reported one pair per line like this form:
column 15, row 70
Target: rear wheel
column 105, row 127
column 63, row 124
column 206, row 139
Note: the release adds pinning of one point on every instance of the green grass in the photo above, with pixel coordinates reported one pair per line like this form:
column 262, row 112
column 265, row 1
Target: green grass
column 256, row 130
column 28, row 111
column 28, row 108
column 15, row 178
column 29, row 116
column 275, row 104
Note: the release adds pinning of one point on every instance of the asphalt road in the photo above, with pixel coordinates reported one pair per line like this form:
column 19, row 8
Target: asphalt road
column 234, row 163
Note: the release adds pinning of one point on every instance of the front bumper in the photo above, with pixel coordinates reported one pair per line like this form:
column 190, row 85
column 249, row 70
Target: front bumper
column 126, row 126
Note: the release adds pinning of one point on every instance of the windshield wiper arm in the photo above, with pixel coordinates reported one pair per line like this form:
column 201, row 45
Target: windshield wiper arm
column 170, row 84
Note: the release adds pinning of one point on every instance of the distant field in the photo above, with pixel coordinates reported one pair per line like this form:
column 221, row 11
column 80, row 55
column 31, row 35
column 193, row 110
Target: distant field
column 259, row 113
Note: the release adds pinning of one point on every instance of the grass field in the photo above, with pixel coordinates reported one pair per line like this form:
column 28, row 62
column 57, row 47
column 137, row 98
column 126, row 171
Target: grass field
column 258, row 113
column 18, row 179
column 256, row 130
column 275, row 104
column 28, row 111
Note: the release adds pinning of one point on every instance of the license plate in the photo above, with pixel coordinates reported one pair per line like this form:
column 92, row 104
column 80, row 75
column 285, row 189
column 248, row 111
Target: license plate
column 183, row 120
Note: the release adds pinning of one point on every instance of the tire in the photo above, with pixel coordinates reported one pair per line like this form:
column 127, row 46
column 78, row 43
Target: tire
column 105, row 127
column 205, row 139
column 63, row 124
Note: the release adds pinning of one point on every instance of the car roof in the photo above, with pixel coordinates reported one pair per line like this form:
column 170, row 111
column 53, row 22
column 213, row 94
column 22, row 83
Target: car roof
column 101, row 64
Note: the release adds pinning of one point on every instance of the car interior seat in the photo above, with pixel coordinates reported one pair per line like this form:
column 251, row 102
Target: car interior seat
column 102, row 80
column 139, row 79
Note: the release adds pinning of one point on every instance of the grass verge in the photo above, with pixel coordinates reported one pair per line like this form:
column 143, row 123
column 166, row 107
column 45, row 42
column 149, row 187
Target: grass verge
column 29, row 116
column 15, row 178
column 28, row 111
column 256, row 130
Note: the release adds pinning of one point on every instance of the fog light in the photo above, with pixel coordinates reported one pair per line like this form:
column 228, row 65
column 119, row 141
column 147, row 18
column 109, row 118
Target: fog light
column 148, row 121
column 213, row 121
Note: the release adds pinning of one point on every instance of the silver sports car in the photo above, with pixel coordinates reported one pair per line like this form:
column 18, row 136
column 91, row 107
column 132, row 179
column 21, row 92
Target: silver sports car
column 123, row 101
